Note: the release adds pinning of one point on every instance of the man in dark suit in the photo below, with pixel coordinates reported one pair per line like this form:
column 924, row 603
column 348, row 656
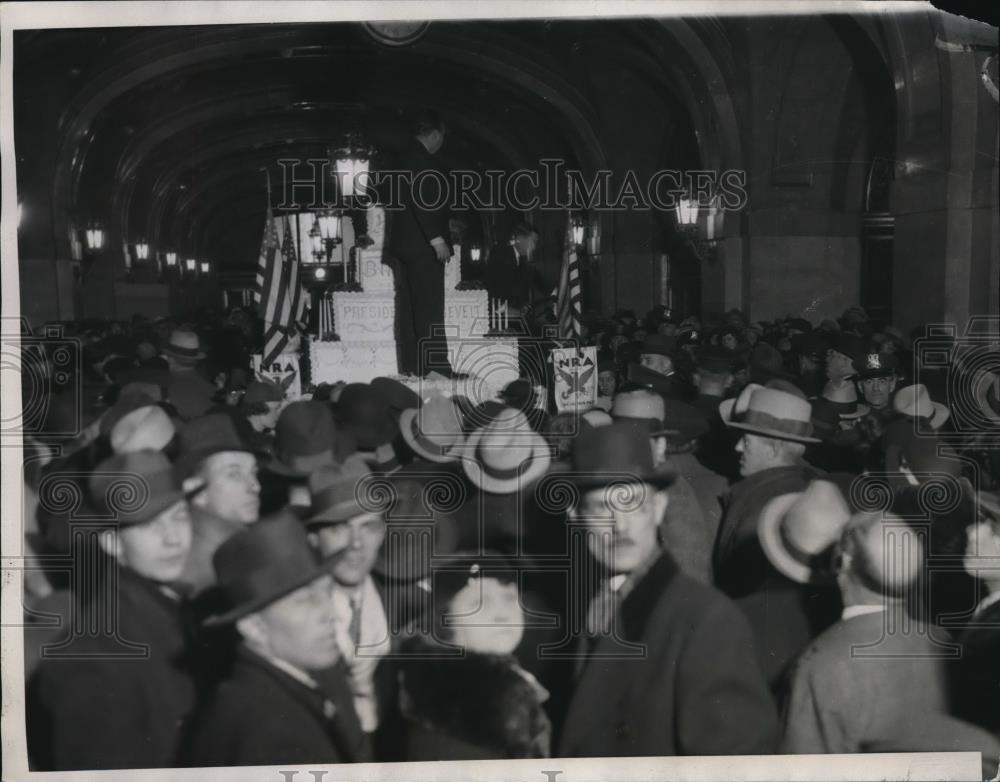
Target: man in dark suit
column 667, row 667
column 418, row 240
column 121, row 699
column 284, row 702
column 512, row 272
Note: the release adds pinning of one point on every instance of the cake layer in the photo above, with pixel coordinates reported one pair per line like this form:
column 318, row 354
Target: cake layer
column 351, row 362
column 364, row 316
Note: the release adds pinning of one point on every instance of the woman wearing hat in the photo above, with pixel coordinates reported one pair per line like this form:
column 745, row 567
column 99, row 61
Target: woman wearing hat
column 463, row 693
column 121, row 698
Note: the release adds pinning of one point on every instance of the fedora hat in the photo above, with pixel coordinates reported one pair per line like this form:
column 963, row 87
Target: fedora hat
column 715, row 361
column 334, row 494
column 767, row 363
column 184, row 344
column 146, row 428
column 202, row 437
column 843, row 397
column 769, row 412
column 263, row 391
column 434, row 431
column 847, row 344
column 641, row 407
column 126, row 403
column 364, row 411
column 660, row 345
column 135, row 488
column 409, row 519
column 915, row 401
column 596, row 417
column 399, row 396
column 607, row 454
column 686, row 420
column 797, row 529
column 811, row 343
column 885, row 564
column 306, row 438
column 506, row 454
column 261, row 564
column 874, row 364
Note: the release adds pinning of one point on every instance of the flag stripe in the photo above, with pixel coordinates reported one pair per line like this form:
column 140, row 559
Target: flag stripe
column 281, row 300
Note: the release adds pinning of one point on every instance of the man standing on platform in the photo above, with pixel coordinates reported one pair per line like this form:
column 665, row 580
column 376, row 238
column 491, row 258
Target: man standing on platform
column 418, row 241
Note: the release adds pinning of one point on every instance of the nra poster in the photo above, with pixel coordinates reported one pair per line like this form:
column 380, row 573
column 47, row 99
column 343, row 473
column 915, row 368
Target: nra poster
column 574, row 378
column 284, row 370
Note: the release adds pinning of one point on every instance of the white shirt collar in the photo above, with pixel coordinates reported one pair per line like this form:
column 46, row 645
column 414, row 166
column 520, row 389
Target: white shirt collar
column 850, row 612
column 294, row 671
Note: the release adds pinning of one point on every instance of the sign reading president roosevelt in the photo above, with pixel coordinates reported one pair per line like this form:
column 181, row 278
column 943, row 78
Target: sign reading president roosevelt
column 364, row 316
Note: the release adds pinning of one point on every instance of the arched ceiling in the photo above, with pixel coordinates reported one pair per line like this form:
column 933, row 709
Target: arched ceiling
column 166, row 132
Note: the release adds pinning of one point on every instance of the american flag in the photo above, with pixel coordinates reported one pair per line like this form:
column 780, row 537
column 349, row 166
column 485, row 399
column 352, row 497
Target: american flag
column 281, row 302
column 570, row 294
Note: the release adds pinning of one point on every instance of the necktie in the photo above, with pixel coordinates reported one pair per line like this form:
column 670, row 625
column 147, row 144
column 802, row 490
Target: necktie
column 601, row 616
column 355, row 626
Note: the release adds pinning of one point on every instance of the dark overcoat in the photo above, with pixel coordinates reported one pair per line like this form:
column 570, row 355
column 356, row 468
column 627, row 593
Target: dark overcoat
column 691, row 688
column 262, row 716
column 123, row 699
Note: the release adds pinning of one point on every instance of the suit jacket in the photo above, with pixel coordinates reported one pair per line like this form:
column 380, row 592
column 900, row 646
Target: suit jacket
column 409, row 230
column 694, row 690
column 846, row 697
column 98, row 711
column 262, row 716
column 519, row 283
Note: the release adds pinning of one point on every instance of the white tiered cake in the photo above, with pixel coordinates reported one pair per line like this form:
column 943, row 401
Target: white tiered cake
column 364, row 320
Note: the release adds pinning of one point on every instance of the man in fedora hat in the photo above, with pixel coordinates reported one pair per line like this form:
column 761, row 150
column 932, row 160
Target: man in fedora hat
column 188, row 391
column 683, row 530
column 280, row 705
column 433, row 433
column 212, row 455
column 121, row 699
column 866, row 663
column 347, row 530
column 663, row 665
column 776, row 427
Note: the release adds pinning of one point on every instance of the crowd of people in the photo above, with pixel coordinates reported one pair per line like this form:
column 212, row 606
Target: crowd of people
column 763, row 538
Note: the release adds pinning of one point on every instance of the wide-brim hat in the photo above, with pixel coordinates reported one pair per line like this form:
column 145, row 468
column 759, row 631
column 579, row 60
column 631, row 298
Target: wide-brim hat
column 184, row 345
column 915, row 401
column 769, row 412
column 365, row 411
column 643, row 408
column 506, row 455
column 434, row 421
column 843, row 398
column 797, row 531
column 206, row 436
column 264, row 563
column 615, row 454
column 306, row 438
column 133, row 488
column 660, row 345
column 338, row 494
column 147, row 428
column 263, row 391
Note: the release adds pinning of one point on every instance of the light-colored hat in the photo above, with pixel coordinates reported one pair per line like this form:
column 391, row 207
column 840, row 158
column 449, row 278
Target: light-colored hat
column 843, row 396
column 769, row 412
column 434, row 431
column 796, row 529
column 145, row 429
column 916, row 402
column 641, row 406
column 185, row 345
column 506, row 454
column 886, row 553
